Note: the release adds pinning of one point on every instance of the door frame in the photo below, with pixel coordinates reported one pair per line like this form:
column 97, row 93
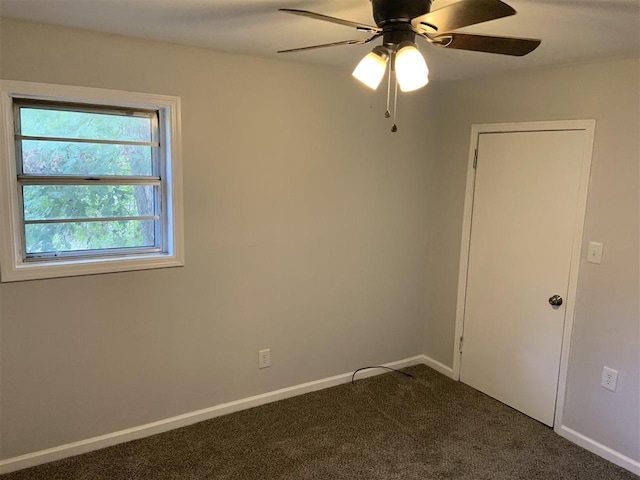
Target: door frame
column 476, row 129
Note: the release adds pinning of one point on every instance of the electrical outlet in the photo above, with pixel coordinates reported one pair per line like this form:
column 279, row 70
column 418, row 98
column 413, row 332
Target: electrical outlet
column 609, row 379
column 264, row 358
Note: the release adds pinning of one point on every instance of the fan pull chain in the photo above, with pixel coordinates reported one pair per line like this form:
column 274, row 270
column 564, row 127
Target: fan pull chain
column 394, row 129
column 387, row 114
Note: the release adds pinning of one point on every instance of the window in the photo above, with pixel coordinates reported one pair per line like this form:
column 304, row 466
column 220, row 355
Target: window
column 91, row 181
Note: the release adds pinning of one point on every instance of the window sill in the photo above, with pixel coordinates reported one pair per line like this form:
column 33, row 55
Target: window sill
column 71, row 268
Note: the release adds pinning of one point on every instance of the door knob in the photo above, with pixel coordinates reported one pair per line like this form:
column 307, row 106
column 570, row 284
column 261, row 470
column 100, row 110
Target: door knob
column 556, row 300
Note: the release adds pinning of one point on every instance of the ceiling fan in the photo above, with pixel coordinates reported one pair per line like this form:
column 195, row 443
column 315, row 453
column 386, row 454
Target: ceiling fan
column 398, row 22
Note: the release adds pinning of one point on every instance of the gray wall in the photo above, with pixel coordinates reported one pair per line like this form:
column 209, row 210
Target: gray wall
column 607, row 317
column 306, row 232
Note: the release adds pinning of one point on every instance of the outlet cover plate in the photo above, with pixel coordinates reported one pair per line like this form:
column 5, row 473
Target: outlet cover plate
column 609, row 379
column 264, row 358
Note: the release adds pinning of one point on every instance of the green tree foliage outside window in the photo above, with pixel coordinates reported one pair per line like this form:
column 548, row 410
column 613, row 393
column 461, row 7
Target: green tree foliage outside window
column 50, row 155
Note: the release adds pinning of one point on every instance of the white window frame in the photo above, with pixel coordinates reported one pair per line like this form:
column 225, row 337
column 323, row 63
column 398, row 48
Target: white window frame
column 13, row 264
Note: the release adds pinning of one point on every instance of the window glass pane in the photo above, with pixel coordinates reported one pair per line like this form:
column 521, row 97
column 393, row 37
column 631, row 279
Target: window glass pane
column 51, row 202
column 41, row 122
column 42, row 157
column 69, row 237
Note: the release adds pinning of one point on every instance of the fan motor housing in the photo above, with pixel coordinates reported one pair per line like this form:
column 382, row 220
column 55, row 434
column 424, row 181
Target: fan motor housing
column 386, row 12
column 396, row 33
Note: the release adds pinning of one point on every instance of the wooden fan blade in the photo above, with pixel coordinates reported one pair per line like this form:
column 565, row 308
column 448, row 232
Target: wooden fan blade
column 334, row 44
column 326, row 18
column 482, row 43
column 463, row 14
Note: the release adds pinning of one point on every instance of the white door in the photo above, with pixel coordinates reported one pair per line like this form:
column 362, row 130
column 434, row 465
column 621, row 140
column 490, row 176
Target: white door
column 525, row 208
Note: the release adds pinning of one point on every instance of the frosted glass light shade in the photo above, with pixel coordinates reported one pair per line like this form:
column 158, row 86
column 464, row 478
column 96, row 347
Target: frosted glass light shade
column 371, row 68
column 411, row 69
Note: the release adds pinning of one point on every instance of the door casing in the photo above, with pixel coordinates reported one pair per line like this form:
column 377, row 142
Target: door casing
column 589, row 127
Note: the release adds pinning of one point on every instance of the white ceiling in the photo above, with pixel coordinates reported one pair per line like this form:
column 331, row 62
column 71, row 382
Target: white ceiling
column 572, row 31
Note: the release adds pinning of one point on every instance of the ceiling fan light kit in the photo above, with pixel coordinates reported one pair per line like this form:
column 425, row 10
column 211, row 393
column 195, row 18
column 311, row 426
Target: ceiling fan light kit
column 411, row 69
column 398, row 22
column 372, row 67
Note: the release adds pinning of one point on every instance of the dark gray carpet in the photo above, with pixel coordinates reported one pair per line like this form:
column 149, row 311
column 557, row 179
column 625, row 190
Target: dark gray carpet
column 382, row 428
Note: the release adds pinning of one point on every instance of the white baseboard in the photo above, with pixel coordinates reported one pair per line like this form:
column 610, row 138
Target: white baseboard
column 437, row 366
column 142, row 431
column 110, row 439
column 599, row 449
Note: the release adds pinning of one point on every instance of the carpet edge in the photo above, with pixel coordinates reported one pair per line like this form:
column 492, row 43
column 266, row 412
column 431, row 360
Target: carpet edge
column 134, row 433
column 599, row 449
